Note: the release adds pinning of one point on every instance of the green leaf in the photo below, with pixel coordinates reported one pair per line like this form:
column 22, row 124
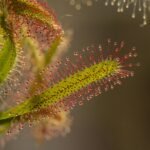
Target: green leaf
column 52, row 50
column 33, row 10
column 62, row 90
column 7, row 56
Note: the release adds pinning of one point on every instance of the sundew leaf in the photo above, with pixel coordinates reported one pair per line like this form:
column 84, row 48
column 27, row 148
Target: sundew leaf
column 7, row 59
column 32, row 9
column 39, row 20
column 102, row 73
column 61, row 90
column 7, row 55
column 64, row 88
column 52, row 50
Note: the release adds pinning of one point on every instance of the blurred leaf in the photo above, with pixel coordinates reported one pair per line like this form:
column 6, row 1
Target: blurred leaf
column 7, row 49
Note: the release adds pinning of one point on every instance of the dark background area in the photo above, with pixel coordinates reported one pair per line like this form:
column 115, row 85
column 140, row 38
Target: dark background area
column 118, row 119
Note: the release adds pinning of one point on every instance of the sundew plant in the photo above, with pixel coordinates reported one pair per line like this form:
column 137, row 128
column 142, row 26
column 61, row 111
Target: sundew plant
column 142, row 6
column 40, row 91
column 135, row 7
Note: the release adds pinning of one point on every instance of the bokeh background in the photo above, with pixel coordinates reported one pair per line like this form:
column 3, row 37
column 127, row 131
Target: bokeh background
column 118, row 119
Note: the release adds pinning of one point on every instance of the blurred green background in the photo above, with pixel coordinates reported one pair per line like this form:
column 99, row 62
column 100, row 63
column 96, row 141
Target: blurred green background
column 118, row 119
